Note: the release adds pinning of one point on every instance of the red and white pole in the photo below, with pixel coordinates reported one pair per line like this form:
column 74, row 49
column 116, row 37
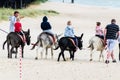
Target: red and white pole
column 20, row 63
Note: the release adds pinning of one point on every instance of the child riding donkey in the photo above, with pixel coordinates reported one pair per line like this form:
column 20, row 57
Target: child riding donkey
column 69, row 32
column 18, row 29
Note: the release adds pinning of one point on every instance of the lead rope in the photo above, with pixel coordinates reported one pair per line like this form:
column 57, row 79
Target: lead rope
column 20, row 64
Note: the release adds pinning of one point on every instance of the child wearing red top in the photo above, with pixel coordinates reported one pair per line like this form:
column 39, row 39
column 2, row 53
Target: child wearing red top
column 18, row 28
column 18, row 25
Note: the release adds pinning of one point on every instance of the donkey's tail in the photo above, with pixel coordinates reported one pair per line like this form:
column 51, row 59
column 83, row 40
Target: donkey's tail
column 4, row 44
column 91, row 45
column 56, row 47
column 34, row 45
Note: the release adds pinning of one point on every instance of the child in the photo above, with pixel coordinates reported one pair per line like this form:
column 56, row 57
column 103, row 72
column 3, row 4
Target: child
column 46, row 27
column 18, row 28
column 69, row 32
column 99, row 31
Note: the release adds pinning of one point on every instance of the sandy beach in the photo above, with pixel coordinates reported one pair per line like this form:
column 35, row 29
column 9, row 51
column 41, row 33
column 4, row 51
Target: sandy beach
column 83, row 20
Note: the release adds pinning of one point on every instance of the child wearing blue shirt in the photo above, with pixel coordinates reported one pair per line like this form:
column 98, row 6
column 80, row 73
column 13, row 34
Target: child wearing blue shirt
column 69, row 32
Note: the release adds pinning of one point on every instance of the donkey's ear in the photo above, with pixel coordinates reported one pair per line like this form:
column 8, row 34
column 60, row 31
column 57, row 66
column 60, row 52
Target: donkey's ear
column 81, row 36
column 28, row 31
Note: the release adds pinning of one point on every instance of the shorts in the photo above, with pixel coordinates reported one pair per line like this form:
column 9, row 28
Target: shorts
column 110, row 44
column 119, row 39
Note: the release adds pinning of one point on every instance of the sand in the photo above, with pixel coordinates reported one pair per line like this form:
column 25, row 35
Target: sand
column 83, row 19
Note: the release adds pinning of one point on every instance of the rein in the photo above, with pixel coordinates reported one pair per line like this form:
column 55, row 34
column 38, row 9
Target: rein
column 21, row 38
column 4, row 31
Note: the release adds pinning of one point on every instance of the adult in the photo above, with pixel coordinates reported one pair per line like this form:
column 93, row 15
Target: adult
column 119, row 45
column 111, row 34
column 13, row 20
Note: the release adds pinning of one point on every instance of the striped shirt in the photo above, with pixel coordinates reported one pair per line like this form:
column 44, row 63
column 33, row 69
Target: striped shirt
column 112, row 30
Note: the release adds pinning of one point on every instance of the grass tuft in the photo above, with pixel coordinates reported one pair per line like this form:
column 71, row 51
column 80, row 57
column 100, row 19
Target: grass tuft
column 5, row 13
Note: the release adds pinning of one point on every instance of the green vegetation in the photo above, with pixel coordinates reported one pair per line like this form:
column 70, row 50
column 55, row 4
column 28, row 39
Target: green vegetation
column 5, row 13
column 38, row 1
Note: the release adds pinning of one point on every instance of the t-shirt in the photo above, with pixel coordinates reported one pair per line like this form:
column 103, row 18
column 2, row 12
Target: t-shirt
column 18, row 27
column 112, row 30
column 12, row 22
column 99, row 30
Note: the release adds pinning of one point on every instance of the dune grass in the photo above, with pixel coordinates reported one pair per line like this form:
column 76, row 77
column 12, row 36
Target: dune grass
column 38, row 1
column 5, row 13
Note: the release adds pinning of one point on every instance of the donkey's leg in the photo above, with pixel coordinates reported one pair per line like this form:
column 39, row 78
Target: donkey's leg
column 37, row 55
column 59, row 56
column 63, row 56
column 10, row 55
column 42, row 52
column 73, row 56
column 101, row 55
column 8, row 49
column 16, row 52
column 119, row 51
column 46, row 53
column 51, row 52
column 22, row 51
column 91, row 55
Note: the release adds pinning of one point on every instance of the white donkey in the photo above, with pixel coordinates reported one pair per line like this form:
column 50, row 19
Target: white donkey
column 45, row 41
column 96, row 44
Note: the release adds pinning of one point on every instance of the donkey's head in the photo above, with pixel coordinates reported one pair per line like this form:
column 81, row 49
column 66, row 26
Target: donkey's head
column 80, row 42
column 27, row 35
column 57, row 40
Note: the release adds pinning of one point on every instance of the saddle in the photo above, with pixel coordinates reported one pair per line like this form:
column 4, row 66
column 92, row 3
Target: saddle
column 102, row 39
column 53, row 37
column 75, row 42
column 22, row 37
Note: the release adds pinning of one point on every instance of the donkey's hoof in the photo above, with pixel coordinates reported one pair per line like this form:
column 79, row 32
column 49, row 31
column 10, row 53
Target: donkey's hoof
column 72, row 59
column 36, row 58
column 91, row 59
column 9, row 57
column 64, row 60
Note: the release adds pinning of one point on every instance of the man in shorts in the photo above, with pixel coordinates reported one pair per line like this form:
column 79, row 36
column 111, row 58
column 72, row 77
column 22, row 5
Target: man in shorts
column 111, row 34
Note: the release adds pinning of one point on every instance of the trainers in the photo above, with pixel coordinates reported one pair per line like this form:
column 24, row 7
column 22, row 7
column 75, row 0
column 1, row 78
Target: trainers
column 107, row 61
column 114, row 61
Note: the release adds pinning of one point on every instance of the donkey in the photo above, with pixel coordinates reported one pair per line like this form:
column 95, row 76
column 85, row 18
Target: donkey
column 45, row 41
column 66, row 43
column 96, row 44
column 14, row 40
